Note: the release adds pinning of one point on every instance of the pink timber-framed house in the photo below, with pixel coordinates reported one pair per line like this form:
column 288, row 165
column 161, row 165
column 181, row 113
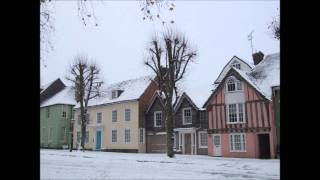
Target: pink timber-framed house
column 240, row 109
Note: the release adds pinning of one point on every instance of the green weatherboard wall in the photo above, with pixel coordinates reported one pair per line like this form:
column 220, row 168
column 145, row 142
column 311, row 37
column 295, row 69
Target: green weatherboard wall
column 59, row 125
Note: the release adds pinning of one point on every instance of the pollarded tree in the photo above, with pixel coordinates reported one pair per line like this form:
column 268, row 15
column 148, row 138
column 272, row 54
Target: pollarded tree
column 86, row 83
column 169, row 57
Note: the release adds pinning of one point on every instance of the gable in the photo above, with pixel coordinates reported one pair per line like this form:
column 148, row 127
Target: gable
column 221, row 86
column 244, row 66
column 51, row 90
column 185, row 102
column 155, row 101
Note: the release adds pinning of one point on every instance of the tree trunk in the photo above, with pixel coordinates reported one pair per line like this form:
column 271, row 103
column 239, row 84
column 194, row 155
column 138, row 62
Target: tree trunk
column 83, row 125
column 169, row 129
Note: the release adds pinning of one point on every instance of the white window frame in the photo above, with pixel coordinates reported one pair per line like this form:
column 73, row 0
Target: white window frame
column 116, row 138
column 116, row 120
column 143, row 135
column 237, row 113
column 155, row 118
column 200, row 145
column 236, row 81
column 242, row 139
column 129, row 142
column 126, row 116
column 97, row 118
column 183, row 115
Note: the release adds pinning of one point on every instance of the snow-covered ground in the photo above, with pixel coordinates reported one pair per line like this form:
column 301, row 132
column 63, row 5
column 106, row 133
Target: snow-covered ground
column 62, row 164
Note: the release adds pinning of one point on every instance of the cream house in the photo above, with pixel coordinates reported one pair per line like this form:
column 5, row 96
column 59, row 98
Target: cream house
column 116, row 120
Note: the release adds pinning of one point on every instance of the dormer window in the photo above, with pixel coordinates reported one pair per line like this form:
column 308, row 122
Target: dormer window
column 116, row 93
column 236, row 65
column 233, row 85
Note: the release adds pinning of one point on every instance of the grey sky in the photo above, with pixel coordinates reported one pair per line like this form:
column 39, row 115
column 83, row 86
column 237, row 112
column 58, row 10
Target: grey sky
column 218, row 29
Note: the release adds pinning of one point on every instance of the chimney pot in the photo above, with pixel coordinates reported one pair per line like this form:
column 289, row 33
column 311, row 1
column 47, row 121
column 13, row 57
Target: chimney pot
column 257, row 57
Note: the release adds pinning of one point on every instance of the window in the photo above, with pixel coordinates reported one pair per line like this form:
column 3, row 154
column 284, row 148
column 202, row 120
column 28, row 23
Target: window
column 64, row 113
column 239, row 86
column 78, row 137
column 99, row 117
column 236, row 65
column 114, row 135
column 43, row 133
column 235, row 113
column 114, row 116
column 63, row 133
column 187, row 116
column 203, row 140
column 48, row 112
column 114, row 94
column 233, row 85
column 141, row 135
column 232, row 113
column 127, row 114
column 237, row 142
column 240, row 112
column 127, row 136
column 157, row 119
column 50, row 134
column 87, row 137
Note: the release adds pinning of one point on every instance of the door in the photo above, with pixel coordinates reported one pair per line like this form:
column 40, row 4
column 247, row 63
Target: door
column 264, row 146
column 216, row 145
column 187, row 143
column 98, row 140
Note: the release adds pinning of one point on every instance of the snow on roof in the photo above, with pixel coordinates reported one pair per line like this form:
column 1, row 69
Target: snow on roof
column 131, row 90
column 65, row 96
column 245, row 66
column 265, row 75
column 44, row 87
column 199, row 93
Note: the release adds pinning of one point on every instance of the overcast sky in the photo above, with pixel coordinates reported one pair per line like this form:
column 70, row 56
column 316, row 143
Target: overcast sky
column 218, row 29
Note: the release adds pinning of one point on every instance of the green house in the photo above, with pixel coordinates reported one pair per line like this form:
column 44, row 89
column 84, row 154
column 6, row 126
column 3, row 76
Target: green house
column 56, row 112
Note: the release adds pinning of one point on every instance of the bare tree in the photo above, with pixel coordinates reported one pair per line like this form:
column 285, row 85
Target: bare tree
column 152, row 9
column 86, row 13
column 169, row 57
column 275, row 27
column 86, row 83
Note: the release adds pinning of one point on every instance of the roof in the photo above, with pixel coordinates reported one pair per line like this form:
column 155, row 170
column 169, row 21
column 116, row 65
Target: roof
column 155, row 96
column 132, row 90
column 180, row 99
column 44, row 87
column 198, row 94
column 263, row 77
column 65, row 96
column 227, row 67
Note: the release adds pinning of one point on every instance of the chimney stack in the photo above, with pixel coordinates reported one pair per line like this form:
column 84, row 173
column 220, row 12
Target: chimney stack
column 257, row 57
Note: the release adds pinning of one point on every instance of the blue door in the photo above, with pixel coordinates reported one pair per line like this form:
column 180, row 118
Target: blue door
column 98, row 140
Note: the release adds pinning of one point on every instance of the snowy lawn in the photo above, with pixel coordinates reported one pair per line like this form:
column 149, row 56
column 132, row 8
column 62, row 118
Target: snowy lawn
column 62, row 164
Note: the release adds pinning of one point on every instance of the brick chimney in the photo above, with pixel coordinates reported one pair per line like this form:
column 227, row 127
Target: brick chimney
column 257, row 57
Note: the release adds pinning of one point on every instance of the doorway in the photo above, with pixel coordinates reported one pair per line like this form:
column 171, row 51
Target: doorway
column 264, row 146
